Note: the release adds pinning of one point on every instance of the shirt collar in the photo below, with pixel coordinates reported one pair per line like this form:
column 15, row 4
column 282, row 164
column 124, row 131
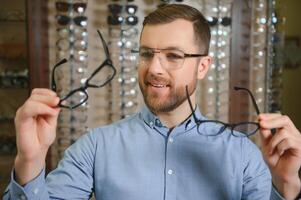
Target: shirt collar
column 154, row 122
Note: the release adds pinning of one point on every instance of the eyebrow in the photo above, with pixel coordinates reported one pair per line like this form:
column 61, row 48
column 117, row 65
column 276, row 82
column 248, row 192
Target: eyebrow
column 167, row 48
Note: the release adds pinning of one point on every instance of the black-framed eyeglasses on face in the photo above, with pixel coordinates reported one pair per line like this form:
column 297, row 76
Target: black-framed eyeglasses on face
column 170, row 58
column 101, row 76
column 242, row 129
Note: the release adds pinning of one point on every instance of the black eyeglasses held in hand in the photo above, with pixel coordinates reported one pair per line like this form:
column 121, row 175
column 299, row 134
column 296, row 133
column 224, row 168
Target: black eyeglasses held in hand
column 101, row 76
column 242, row 129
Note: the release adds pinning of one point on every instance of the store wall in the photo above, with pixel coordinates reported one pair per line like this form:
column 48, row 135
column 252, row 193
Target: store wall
column 292, row 76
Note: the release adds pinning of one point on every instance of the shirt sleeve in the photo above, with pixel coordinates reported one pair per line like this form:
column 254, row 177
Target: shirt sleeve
column 257, row 182
column 35, row 189
column 72, row 179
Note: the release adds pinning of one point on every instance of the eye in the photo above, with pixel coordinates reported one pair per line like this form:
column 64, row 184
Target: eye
column 173, row 55
column 146, row 53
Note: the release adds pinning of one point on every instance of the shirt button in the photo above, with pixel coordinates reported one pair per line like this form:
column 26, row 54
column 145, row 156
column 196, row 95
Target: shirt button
column 158, row 123
column 22, row 197
column 170, row 140
column 170, row 172
column 35, row 191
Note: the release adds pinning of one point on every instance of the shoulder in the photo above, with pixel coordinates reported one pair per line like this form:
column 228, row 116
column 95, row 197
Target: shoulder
column 241, row 147
column 123, row 126
column 99, row 136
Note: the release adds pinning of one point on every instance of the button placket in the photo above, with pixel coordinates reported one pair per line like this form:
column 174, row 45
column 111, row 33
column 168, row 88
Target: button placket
column 171, row 179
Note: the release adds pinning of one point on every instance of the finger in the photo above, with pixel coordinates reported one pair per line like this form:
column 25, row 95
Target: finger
column 34, row 108
column 273, row 159
column 284, row 145
column 265, row 135
column 43, row 91
column 267, row 116
column 46, row 99
column 277, row 139
column 282, row 121
column 51, row 119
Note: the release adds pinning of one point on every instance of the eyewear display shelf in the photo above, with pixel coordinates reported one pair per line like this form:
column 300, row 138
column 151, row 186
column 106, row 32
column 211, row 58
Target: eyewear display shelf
column 13, row 79
column 21, row 38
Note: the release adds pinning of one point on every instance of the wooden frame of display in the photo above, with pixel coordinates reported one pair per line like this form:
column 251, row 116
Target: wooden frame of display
column 240, row 60
column 37, row 33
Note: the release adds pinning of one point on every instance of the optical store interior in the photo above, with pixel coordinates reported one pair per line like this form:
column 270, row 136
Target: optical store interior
column 254, row 44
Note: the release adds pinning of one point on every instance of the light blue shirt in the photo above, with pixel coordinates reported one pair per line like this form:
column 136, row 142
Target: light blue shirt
column 138, row 158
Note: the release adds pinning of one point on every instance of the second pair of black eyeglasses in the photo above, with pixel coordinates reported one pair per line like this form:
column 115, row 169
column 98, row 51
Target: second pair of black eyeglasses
column 100, row 77
column 242, row 129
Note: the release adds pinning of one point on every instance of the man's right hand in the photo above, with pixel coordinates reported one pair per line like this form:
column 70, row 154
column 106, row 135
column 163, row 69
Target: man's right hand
column 35, row 123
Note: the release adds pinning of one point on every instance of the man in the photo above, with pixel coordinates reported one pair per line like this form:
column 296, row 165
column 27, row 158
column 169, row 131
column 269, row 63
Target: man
column 157, row 153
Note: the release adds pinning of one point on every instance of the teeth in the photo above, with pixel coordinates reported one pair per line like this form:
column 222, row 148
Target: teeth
column 159, row 86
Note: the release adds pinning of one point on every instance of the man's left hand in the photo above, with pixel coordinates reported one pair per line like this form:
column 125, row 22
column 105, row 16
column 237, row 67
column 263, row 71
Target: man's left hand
column 282, row 152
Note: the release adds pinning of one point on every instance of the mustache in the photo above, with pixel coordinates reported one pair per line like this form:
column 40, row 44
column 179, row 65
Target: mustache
column 150, row 78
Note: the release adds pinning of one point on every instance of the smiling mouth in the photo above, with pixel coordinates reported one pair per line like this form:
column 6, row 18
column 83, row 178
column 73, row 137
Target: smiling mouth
column 158, row 85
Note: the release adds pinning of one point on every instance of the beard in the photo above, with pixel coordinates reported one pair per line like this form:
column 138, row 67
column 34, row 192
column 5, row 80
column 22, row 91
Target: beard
column 167, row 103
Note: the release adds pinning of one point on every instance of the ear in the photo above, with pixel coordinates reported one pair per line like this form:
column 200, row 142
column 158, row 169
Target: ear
column 203, row 66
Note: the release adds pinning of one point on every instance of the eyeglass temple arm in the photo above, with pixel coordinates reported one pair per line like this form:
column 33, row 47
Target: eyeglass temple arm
column 252, row 97
column 194, row 55
column 104, row 44
column 273, row 130
column 53, row 84
column 190, row 104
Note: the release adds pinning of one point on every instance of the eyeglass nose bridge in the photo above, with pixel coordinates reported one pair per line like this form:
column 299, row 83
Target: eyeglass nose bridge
column 157, row 51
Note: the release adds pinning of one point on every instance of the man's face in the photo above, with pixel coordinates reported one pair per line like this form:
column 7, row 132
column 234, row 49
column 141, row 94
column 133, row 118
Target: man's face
column 164, row 89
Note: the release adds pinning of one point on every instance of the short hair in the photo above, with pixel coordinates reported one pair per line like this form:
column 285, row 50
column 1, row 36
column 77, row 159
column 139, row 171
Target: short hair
column 170, row 12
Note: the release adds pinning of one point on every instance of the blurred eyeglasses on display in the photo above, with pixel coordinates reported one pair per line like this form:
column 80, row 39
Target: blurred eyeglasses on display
column 66, row 7
column 64, row 20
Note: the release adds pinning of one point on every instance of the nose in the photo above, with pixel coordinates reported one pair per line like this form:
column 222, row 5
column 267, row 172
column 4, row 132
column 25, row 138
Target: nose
column 155, row 65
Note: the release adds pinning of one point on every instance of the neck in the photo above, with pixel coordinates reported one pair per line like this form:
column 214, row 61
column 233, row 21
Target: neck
column 178, row 115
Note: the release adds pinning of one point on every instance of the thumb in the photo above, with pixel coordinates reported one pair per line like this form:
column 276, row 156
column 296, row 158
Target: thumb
column 52, row 119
